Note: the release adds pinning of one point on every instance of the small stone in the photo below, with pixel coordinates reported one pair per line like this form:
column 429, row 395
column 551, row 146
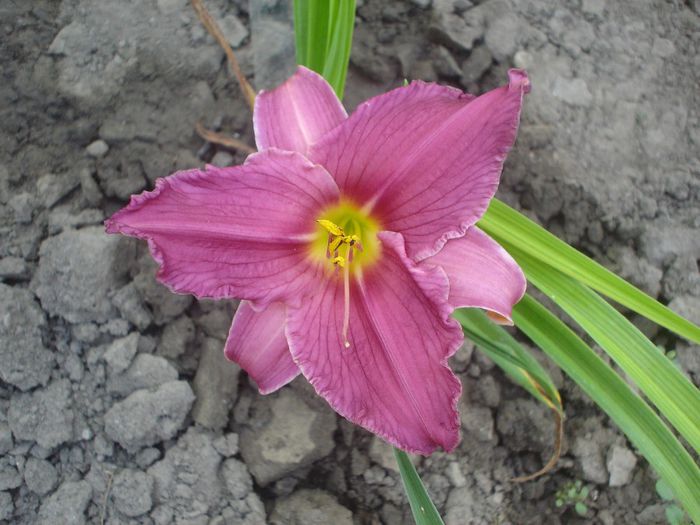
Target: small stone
column 131, row 492
column 51, row 189
column 215, row 385
column 89, row 187
column 69, row 502
column 227, row 445
column 13, row 268
column 164, row 304
column 453, row 31
column 97, row 149
column 460, row 506
column 573, row 91
column 235, row 32
column 286, row 434
column 147, row 371
column 121, row 352
column 237, row 478
column 61, row 219
column 455, row 475
column 23, row 206
column 445, row 64
column 187, row 478
column 26, row 362
column 7, row 508
column 176, row 336
column 589, row 452
column 382, row 453
column 146, row 418
column 78, row 269
column 44, row 416
column 128, row 302
column 310, row 507
column 40, row 476
column 6, row 442
column 222, row 159
column 478, row 63
column 10, row 477
column 501, row 37
column 478, row 422
column 523, row 60
column 621, row 462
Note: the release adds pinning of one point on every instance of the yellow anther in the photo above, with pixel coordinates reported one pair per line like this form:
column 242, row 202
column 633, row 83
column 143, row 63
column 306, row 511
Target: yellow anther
column 331, row 227
column 339, row 261
column 350, row 240
column 335, row 244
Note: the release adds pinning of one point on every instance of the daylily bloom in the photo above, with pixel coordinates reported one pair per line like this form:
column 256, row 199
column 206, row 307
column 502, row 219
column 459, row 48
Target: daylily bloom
column 350, row 241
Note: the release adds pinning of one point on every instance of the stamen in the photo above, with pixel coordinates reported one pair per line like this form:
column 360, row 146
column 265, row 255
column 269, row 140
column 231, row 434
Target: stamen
column 331, row 227
column 346, row 304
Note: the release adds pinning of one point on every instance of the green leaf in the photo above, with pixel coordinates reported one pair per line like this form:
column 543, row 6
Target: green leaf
column 633, row 415
column 503, row 222
column 663, row 490
column 581, row 508
column 674, row 515
column 323, row 32
column 424, row 511
column 666, row 386
column 509, row 355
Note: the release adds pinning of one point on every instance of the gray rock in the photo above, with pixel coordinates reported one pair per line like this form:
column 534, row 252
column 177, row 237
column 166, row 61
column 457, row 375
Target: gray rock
column 89, row 187
column 187, row 479
column 460, row 506
column 620, row 462
column 121, row 352
column 286, row 434
column 227, row 445
column 164, row 304
column 51, row 188
column 26, row 363
column 453, row 31
column 478, row 63
column 501, row 37
column 145, row 418
column 13, row 268
column 222, row 159
column 237, row 478
column 445, row 64
column 478, row 422
column 235, row 32
column 44, row 416
column 128, row 302
column 176, row 336
column 10, row 478
column 215, row 386
column 40, row 476
column 6, row 442
column 131, row 492
column 97, row 149
column 573, row 91
column 68, row 502
column 61, row 218
column 7, row 508
column 77, row 271
column 589, row 451
column 147, row 371
column 687, row 306
column 310, row 507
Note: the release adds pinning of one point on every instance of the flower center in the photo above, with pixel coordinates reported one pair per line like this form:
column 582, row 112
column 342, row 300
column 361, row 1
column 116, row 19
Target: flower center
column 346, row 241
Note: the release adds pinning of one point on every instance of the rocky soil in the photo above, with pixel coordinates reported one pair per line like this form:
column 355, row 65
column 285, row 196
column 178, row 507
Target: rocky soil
column 116, row 404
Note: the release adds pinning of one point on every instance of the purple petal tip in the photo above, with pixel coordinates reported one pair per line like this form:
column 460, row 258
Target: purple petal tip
column 518, row 79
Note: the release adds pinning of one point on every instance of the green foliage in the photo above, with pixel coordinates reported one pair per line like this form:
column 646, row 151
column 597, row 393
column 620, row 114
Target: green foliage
column 422, row 507
column 323, row 31
column 573, row 494
column 674, row 514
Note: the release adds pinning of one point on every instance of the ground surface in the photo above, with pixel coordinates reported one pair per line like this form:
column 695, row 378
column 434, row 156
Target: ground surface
column 115, row 402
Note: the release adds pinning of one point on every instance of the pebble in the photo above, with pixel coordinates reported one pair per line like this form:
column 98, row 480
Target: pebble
column 149, row 417
column 310, row 507
column 97, row 149
column 215, row 386
column 146, row 372
column 132, row 492
column 69, row 502
column 40, row 476
column 620, row 462
column 121, row 352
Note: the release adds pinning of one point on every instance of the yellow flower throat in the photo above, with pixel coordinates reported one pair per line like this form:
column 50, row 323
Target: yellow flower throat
column 346, row 240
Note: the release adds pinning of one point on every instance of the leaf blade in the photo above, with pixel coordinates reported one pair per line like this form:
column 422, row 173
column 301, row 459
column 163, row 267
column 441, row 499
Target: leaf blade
column 422, row 507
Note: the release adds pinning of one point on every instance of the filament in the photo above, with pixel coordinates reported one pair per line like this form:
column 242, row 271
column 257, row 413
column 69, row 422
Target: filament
column 346, row 303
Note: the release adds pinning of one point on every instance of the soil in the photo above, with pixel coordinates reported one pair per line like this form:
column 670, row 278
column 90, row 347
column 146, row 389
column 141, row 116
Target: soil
column 116, row 405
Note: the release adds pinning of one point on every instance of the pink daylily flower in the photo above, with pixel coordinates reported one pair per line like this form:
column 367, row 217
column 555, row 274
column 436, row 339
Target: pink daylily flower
column 350, row 241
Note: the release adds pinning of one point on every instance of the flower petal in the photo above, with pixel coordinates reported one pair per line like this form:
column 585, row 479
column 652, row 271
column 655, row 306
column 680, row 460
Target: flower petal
column 257, row 343
column 393, row 379
column 297, row 113
column 233, row 232
column 481, row 274
column 427, row 158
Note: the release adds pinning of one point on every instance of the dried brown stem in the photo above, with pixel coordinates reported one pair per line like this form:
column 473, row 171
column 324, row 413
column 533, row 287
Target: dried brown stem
column 223, row 140
column 214, row 30
column 558, row 439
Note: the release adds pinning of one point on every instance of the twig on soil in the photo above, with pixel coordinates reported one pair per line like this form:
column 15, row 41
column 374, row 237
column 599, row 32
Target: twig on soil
column 222, row 140
column 110, row 477
column 558, row 439
column 214, row 30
